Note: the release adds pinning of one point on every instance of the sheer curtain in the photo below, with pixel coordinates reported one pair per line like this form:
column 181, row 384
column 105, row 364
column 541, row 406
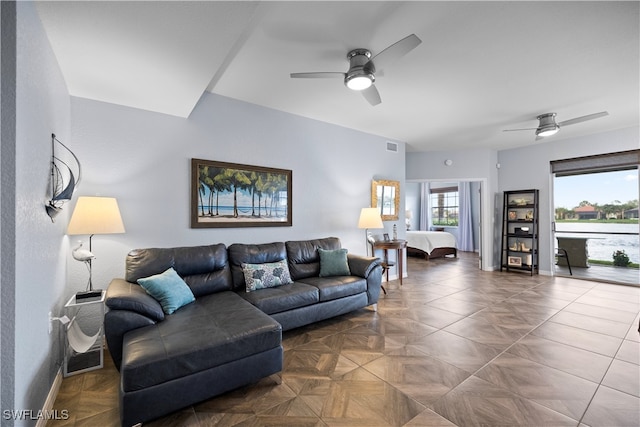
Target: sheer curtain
column 465, row 222
column 425, row 208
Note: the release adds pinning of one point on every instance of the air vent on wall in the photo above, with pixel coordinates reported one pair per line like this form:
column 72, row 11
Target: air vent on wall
column 392, row 146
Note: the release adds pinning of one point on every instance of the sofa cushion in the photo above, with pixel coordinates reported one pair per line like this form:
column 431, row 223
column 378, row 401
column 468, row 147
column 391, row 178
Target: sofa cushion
column 267, row 275
column 333, row 263
column 203, row 268
column 168, row 289
column 331, row 288
column 283, row 298
column 303, row 257
column 240, row 253
column 214, row 330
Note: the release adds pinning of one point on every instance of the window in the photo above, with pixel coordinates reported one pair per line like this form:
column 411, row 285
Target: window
column 444, row 206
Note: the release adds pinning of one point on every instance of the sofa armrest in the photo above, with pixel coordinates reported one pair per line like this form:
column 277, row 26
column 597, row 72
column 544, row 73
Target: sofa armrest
column 116, row 324
column 362, row 265
column 130, row 307
column 123, row 295
column 369, row 268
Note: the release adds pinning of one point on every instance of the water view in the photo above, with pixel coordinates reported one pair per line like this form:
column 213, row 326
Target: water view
column 602, row 246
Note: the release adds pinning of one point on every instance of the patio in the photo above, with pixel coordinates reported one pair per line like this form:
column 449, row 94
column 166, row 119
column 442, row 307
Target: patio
column 602, row 273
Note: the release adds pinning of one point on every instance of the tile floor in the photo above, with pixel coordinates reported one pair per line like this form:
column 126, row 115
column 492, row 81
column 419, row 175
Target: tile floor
column 453, row 347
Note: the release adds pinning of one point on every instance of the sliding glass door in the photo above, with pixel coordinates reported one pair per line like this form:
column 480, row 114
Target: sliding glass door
column 596, row 220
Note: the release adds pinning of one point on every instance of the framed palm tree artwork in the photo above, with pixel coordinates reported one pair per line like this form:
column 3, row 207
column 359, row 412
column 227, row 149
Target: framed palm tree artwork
column 233, row 195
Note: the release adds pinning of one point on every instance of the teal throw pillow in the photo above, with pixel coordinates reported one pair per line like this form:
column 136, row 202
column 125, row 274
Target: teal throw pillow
column 168, row 289
column 333, row 263
column 267, row 275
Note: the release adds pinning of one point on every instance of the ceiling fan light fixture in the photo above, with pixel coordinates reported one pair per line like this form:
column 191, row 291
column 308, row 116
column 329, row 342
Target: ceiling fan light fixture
column 548, row 125
column 547, row 131
column 358, row 81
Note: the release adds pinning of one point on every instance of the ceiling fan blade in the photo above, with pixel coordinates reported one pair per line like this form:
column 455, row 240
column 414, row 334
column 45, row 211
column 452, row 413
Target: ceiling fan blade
column 394, row 52
column 372, row 95
column 318, row 75
column 513, row 130
column 583, row 118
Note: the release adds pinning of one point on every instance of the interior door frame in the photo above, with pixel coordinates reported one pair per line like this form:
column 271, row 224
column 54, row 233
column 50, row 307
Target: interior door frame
column 484, row 212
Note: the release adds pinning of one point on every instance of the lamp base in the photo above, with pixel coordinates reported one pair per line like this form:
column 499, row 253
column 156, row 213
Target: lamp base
column 88, row 295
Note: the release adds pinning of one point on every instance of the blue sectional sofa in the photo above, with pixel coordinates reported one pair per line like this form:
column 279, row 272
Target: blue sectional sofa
column 230, row 335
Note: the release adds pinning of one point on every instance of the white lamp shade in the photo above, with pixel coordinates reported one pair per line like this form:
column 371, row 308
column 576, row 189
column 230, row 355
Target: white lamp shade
column 370, row 218
column 408, row 214
column 96, row 215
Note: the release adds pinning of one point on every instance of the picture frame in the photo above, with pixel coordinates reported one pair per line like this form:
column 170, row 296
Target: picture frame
column 227, row 195
column 513, row 215
column 514, row 261
column 386, row 237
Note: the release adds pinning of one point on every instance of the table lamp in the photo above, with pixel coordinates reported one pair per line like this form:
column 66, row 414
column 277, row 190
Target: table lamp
column 93, row 215
column 369, row 218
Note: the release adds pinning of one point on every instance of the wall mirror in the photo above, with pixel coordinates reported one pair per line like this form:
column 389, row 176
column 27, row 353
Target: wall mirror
column 385, row 195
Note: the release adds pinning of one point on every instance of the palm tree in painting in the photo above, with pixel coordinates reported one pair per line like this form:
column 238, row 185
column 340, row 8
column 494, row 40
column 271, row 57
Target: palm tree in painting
column 203, row 184
column 273, row 186
column 238, row 180
column 258, row 190
column 221, row 184
column 255, row 179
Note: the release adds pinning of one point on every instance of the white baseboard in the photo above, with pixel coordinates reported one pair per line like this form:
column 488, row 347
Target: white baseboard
column 51, row 398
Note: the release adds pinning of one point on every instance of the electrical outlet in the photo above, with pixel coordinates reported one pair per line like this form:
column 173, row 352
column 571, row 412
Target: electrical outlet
column 50, row 324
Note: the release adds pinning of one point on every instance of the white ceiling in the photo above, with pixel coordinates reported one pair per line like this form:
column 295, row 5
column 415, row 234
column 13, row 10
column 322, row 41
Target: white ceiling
column 482, row 66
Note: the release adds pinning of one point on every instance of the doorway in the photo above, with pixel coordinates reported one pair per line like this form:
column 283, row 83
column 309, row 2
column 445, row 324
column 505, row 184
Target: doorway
column 596, row 223
column 414, row 204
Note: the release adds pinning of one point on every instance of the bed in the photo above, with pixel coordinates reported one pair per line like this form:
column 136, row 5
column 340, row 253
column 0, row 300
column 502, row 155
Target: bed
column 431, row 244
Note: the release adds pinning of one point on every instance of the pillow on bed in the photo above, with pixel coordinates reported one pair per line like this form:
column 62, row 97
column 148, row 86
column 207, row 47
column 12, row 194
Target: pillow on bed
column 333, row 263
column 267, row 275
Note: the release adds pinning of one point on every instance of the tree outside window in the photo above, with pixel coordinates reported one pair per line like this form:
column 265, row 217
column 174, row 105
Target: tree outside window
column 444, row 206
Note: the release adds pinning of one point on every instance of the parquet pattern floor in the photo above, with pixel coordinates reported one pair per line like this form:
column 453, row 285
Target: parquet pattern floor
column 454, row 346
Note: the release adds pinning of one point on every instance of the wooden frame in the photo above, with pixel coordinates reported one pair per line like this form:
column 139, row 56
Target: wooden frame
column 385, row 195
column 235, row 195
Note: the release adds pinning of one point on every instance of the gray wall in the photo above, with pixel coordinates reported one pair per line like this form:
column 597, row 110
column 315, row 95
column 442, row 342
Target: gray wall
column 412, row 201
column 37, row 262
column 7, row 203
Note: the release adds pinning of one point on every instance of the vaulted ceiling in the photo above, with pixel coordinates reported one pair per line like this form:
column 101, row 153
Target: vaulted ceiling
column 482, row 67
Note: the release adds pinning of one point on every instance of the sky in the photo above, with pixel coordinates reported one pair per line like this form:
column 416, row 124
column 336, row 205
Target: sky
column 601, row 188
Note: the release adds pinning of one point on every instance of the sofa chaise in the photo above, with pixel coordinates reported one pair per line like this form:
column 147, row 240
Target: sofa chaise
column 229, row 333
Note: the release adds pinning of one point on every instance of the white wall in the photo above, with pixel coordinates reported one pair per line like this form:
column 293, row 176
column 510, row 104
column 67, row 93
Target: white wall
column 42, row 108
column 143, row 159
column 529, row 167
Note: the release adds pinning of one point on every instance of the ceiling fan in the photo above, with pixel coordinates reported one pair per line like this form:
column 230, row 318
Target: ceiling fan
column 362, row 67
column 548, row 125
